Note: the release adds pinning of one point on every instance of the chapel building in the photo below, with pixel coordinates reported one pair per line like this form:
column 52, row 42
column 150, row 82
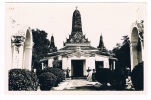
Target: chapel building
column 77, row 54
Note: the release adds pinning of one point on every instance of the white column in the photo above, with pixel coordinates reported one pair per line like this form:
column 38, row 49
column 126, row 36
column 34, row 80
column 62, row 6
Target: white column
column 15, row 57
column 113, row 65
column 50, row 62
column 12, row 47
column 17, row 52
column 134, row 60
column 64, row 63
column 27, row 56
column 143, row 53
column 69, row 65
column 21, row 55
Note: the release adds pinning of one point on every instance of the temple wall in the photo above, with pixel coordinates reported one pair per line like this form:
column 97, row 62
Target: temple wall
column 105, row 60
column 88, row 62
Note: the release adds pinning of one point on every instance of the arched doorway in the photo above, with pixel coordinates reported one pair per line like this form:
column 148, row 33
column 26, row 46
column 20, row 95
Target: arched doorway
column 136, row 47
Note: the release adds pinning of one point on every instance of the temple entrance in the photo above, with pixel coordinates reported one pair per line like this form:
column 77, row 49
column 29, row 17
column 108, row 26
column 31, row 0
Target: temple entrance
column 77, row 68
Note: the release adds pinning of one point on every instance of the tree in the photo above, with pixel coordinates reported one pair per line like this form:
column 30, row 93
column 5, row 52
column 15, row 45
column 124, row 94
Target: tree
column 41, row 46
column 122, row 53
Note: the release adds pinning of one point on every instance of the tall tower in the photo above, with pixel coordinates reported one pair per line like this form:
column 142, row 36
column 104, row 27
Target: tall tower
column 77, row 38
column 76, row 22
column 52, row 45
column 101, row 44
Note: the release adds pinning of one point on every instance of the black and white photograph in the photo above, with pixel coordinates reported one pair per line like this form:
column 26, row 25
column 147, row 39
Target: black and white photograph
column 71, row 47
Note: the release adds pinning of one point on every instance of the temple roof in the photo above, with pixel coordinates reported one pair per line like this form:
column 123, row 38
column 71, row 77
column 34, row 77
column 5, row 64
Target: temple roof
column 77, row 53
column 82, row 48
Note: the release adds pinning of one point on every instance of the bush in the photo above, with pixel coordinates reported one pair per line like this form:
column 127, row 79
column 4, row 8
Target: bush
column 47, row 80
column 119, row 79
column 22, row 79
column 137, row 76
column 57, row 72
column 38, row 68
column 103, row 75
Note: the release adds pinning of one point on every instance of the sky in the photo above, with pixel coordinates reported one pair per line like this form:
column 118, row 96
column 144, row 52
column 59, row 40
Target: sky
column 112, row 20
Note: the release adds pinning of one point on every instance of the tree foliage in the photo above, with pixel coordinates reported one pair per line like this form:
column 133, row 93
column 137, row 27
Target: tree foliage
column 41, row 45
column 122, row 53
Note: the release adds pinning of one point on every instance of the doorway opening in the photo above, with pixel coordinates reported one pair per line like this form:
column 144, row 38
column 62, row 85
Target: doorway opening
column 77, row 68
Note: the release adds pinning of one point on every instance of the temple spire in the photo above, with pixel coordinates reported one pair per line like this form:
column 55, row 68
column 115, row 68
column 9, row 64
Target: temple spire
column 76, row 22
column 76, row 36
column 101, row 44
column 52, row 45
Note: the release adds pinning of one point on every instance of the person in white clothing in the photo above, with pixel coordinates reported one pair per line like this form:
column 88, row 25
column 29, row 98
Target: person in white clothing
column 89, row 77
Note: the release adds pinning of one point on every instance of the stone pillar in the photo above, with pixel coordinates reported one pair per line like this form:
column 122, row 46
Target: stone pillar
column 28, row 50
column 15, row 60
column 27, row 56
column 64, row 63
column 142, row 47
column 113, row 65
column 134, row 60
column 69, row 66
column 17, row 51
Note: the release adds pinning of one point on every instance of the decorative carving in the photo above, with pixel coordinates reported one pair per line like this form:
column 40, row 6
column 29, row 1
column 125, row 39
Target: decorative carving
column 78, row 38
column 78, row 54
column 17, row 40
column 141, row 30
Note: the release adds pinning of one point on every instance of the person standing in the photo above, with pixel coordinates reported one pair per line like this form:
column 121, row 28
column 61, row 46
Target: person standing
column 89, row 77
column 93, row 75
column 67, row 72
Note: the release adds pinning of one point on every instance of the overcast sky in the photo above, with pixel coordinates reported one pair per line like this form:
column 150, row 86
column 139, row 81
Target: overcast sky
column 112, row 20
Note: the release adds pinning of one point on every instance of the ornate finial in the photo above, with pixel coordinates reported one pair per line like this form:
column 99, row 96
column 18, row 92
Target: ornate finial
column 76, row 7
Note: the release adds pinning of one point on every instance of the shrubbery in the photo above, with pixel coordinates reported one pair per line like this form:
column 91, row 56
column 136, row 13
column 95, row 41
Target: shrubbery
column 137, row 76
column 116, row 77
column 47, row 80
column 22, row 79
column 119, row 79
column 103, row 75
column 57, row 72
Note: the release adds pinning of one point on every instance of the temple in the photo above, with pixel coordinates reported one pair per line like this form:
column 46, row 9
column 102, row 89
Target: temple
column 77, row 54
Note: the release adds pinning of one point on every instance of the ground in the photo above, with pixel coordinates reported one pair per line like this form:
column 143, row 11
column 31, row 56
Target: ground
column 80, row 85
